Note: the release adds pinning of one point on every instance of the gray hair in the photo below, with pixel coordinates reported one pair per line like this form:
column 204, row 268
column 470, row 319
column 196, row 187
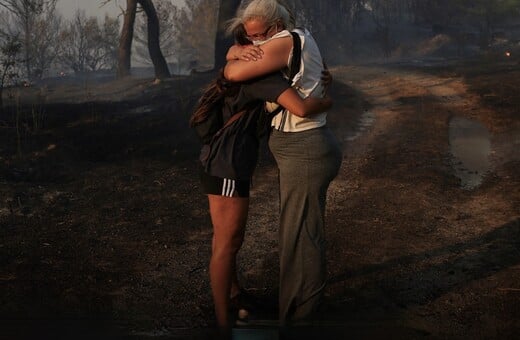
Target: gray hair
column 269, row 10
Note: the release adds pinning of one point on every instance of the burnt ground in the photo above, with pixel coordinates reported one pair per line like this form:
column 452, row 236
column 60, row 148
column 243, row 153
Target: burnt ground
column 105, row 233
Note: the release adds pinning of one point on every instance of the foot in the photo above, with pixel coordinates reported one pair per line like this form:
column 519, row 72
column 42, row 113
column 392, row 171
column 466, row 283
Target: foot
column 243, row 306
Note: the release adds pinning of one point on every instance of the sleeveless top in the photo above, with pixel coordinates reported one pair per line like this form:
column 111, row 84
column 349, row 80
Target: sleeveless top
column 307, row 82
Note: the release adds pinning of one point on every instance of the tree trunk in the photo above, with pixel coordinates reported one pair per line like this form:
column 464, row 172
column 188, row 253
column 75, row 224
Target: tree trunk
column 125, row 41
column 154, row 46
column 28, row 47
column 227, row 10
column 2, row 85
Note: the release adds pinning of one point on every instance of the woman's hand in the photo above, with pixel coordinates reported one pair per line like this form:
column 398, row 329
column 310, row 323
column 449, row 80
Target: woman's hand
column 245, row 53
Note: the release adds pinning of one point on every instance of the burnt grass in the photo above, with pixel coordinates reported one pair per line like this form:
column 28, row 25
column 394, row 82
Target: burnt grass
column 104, row 231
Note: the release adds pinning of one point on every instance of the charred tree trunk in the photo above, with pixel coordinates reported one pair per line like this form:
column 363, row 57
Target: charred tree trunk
column 2, row 82
column 2, row 99
column 227, row 10
column 127, row 35
column 125, row 41
column 154, row 46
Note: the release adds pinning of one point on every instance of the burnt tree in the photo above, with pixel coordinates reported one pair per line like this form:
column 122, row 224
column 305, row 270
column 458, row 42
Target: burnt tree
column 127, row 33
column 154, row 45
column 26, row 13
column 125, row 41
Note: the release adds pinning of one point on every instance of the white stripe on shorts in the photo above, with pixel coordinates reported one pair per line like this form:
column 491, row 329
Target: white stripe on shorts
column 228, row 187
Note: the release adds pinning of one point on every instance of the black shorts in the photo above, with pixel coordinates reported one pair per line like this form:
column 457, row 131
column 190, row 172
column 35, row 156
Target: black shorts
column 212, row 185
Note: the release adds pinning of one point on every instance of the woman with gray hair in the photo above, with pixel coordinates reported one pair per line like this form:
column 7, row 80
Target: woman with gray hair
column 306, row 152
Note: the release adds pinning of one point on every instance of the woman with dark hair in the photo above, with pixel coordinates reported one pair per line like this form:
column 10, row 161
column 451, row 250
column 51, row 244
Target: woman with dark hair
column 227, row 185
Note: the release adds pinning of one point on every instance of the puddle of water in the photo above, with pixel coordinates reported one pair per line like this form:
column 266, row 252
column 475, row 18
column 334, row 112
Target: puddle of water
column 470, row 148
column 364, row 122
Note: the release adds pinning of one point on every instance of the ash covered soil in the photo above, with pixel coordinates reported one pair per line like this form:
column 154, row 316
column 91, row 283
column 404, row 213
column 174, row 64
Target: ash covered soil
column 105, row 232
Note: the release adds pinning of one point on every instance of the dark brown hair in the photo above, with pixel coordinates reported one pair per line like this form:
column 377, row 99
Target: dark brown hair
column 214, row 91
column 219, row 87
column 240, row 35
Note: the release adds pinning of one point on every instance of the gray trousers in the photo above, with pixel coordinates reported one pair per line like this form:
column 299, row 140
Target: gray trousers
column 307, row 161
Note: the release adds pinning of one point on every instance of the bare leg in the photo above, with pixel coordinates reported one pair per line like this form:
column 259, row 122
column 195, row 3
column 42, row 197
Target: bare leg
column 235, row 287
column 229, row 216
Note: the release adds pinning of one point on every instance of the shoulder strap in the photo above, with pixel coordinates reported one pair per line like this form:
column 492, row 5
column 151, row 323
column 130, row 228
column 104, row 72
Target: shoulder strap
column 230, row 121
column 297, row 55
column 233, row 118
column 294, row 68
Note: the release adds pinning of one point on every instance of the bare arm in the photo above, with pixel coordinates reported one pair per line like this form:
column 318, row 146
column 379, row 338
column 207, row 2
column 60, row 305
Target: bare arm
column 274, row 58
column 244, row 52
column 303, row 107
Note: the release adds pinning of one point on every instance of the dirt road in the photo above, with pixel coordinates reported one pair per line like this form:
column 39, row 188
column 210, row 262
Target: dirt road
column 414, row 240
column 103, row 224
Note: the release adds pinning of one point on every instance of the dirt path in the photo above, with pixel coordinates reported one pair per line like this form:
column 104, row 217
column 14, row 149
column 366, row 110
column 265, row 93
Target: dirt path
column 408, row 245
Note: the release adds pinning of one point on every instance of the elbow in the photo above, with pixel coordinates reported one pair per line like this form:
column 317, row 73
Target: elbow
column 227, row 73
column 301, row 112
column 231, row 75
column 318, row 106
